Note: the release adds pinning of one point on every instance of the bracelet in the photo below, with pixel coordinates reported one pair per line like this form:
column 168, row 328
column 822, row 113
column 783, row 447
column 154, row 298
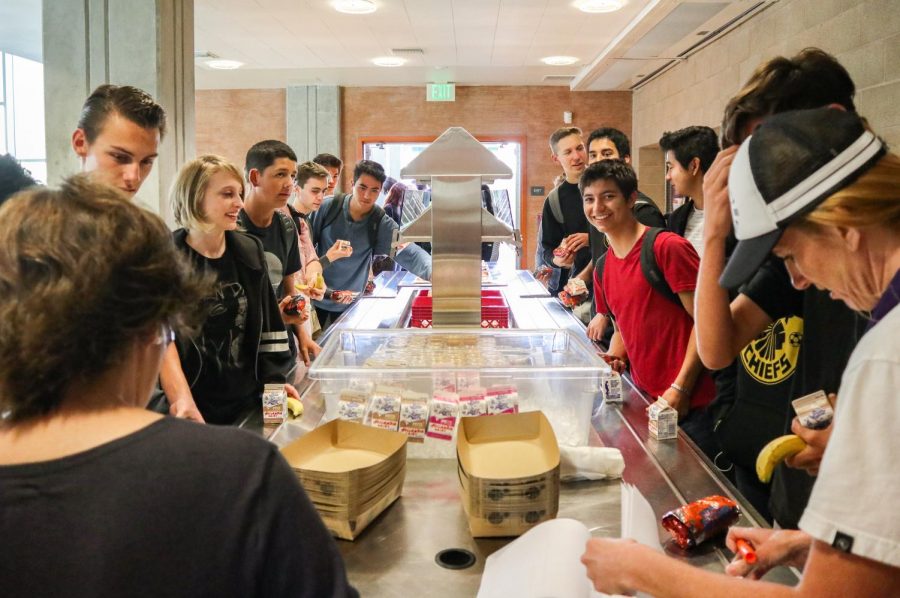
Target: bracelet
column 679, row 388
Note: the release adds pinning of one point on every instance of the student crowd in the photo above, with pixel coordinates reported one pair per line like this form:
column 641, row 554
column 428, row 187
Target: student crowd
column 776, row 278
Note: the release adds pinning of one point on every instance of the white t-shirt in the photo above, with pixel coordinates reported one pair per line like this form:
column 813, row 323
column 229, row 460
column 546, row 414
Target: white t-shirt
column 693, row 230
column 853, row 506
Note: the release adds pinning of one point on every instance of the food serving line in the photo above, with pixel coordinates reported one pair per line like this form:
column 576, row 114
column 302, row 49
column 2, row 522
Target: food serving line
column 397, row 554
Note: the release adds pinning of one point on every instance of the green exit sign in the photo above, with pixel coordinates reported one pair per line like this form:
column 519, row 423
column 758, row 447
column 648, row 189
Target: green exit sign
column 441, row 92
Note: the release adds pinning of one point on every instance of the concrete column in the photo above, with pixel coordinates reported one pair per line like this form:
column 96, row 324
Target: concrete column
column 145, row 43
column 314, row 120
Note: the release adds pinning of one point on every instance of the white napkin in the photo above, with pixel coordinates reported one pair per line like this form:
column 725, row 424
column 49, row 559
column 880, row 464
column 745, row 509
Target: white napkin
column 590, row 463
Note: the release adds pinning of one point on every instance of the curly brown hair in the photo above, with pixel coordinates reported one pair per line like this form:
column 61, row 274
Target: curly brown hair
column 83, row 274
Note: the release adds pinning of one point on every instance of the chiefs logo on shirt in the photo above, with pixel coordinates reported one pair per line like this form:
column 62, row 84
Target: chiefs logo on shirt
column 772, row 357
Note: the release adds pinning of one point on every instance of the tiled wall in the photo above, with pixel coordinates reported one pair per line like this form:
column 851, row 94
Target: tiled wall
column 863, row 34
column 229, row 121
column 532, row 112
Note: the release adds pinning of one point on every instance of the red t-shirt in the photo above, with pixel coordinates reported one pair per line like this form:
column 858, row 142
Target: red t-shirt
column 655, row 330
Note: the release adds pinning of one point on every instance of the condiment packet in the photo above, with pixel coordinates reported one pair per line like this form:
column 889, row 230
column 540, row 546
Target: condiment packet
column 274, row 403
column 502, row 399
column 384, row 408
column 352, row 405
column 814, row 410
column 414, row 415
column 442, row 420
column 472, row 402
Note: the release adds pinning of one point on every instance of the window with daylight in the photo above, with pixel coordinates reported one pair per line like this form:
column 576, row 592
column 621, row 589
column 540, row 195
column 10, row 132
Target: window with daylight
column 22, row 113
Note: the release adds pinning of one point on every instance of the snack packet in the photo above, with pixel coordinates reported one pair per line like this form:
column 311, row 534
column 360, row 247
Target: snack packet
column 414, row 415
column 274, row 403
column 695, row 522
column 352, row 405
column 502, row 399
column 472, row 402
column 442, row 419
column 384, row 408
column 296, row 306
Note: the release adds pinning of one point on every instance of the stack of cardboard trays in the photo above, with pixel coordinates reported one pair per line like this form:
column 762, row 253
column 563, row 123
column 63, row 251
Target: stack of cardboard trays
column 508, row 469
column 350, row 472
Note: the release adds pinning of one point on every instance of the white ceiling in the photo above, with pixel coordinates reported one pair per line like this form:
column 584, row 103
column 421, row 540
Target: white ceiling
column 466, row 41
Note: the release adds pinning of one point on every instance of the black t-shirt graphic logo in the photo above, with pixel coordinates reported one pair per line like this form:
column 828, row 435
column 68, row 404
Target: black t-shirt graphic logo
column 772, row 357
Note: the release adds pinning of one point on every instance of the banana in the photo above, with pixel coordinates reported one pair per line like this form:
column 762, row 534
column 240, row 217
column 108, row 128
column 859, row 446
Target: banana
column 320, row 281
column 775, row 452
column 295, row 407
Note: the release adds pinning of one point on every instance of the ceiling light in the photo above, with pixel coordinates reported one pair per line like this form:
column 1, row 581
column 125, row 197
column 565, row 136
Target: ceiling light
column 224, row 65
column 354, row 7
column 595, row 6
column 559, row 60
column 389, row 61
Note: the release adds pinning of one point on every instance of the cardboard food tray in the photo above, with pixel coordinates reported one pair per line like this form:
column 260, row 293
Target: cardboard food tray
column 350, row 528
column 504, row 524
column 512, row 447
column 341, row 447
column 354, row 505
column 484, row 496
column 508, row 467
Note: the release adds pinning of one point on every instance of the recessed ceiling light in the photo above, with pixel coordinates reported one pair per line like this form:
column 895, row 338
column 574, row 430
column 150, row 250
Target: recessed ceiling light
column 224, row 65
column 559, row 60
column 354, row 7
column 389, row 61
column 595, row 6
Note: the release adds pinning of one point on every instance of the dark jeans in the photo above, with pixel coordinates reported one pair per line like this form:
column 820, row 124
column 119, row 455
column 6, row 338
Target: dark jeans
column 699, row 426
column 327, row 317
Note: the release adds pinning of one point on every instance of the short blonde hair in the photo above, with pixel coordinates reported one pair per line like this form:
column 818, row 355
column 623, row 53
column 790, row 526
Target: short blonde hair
column 872, row 200
column 190, row 187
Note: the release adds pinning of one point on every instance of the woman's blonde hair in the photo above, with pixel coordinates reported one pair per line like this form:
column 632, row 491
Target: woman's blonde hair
column 872, row 200
column 83, row 274
column 191, row 185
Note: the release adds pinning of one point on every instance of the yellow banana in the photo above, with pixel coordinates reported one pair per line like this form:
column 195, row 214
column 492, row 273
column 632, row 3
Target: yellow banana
column 295, row 407
column 320, row 281
column 775, row 452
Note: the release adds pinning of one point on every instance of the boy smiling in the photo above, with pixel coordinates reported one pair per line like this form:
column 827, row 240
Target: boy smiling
column 652, row 332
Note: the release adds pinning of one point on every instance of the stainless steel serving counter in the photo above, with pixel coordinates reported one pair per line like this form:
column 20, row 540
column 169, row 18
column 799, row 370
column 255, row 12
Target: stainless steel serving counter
column 395, row 556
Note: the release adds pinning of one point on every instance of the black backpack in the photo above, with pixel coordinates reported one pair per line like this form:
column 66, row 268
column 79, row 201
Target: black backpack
column 334, row 210
column 649, row 268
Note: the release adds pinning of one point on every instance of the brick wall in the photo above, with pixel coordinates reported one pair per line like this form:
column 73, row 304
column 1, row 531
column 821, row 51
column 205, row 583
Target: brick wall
column 863, row 34
column 532, row 112
column 229, row 121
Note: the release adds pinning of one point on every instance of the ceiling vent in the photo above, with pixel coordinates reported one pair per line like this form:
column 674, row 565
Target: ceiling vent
column 407, row 51
column 558, row 78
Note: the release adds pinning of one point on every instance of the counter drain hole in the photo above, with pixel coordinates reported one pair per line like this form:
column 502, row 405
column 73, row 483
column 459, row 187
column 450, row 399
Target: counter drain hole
column 455, row 558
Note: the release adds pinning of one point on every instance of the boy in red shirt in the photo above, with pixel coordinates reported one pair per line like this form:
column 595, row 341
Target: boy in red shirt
column 652, row 331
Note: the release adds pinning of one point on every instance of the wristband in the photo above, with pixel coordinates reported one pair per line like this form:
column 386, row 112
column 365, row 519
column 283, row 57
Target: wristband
column 324, row 261
column 679, row 388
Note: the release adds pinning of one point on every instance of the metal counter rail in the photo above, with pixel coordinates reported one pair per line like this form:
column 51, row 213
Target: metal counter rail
column 395, row 555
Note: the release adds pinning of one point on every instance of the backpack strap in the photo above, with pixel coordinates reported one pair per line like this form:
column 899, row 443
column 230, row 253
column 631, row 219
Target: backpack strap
column 289, row 229
column 334, row 210
column 651, row 270
column 374, row 223
column 555, row 207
